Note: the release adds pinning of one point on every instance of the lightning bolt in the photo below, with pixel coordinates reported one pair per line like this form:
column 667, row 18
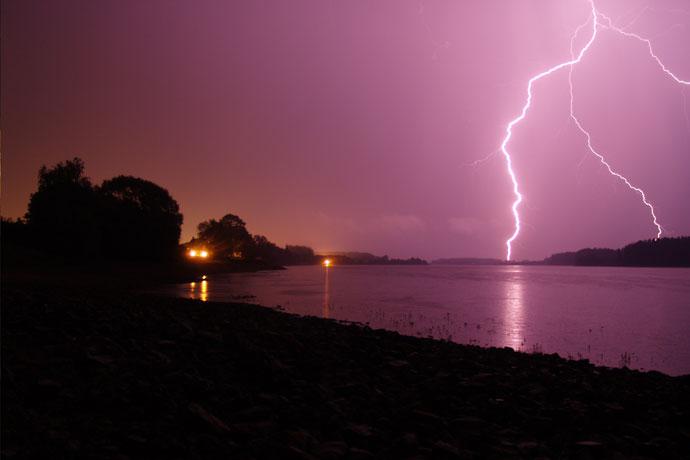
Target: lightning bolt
column 599, row 156
column 596, row 24
column 521, row 116
column 648, row 43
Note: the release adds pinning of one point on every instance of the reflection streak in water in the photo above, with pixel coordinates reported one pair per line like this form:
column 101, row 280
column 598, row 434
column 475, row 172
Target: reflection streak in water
column 203, row 293
column 602, row 313
column 513, row 305
column 326, row 294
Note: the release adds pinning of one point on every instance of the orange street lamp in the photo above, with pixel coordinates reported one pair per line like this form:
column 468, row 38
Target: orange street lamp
column 198, row 253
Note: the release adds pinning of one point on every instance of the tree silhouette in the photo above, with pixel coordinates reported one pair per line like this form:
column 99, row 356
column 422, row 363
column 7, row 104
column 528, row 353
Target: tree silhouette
column 267, row 251
column 227, row 237
column 63, row 213
column 662, row 252
column 300, row 255
column 141, row 219
column 13, row 233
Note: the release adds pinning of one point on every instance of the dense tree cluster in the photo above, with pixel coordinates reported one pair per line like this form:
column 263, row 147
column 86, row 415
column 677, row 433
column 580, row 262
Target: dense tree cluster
column 127, row 218
column 228, row 238
column 123, row 218
column 143, row 219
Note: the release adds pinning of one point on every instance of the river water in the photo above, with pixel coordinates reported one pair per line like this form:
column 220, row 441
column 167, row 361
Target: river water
column 613, row 316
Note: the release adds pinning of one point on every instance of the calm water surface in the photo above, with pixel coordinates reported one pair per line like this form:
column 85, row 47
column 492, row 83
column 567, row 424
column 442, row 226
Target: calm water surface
column 638, row 317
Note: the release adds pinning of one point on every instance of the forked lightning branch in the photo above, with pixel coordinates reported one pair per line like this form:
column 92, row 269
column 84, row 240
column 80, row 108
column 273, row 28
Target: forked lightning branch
column 596, row 22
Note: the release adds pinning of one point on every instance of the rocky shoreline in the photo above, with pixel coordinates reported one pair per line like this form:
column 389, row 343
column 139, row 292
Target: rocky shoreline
column 95, row 374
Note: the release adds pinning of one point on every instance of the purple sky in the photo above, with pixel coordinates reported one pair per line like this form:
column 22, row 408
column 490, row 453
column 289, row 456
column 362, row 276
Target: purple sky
column 349, row 125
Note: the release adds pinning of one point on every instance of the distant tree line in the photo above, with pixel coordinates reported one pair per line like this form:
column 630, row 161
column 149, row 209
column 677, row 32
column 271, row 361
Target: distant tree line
column 468, row 261
column 664, row 252
column 364, row 258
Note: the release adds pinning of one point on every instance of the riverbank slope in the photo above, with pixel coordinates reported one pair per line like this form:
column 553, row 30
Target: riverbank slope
column 90, row 373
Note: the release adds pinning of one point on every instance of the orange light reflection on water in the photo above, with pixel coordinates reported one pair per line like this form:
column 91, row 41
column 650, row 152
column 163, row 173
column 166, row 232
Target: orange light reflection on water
column 201, row 293
column 326, row 311
column 204, row 291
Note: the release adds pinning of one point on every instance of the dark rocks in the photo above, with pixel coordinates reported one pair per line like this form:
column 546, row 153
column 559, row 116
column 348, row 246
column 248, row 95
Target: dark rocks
column 441, row 449
column 360, row 454
column 333, row 450
column 293, row 453
column 96, row 375
column 210, row 419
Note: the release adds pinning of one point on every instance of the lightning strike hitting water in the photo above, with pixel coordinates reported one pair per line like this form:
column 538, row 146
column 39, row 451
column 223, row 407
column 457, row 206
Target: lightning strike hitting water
column 523, row 114
column 575, row 59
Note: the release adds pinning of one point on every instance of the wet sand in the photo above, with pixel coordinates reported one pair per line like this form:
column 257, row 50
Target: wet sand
column 90, row 373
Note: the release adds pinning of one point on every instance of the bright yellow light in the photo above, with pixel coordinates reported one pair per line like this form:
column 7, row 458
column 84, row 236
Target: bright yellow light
column 203, row 277
column 204, row 291
column 198, row 253
column 327, row 262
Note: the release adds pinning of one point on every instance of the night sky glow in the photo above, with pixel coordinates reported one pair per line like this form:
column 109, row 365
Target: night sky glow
column 359, row 125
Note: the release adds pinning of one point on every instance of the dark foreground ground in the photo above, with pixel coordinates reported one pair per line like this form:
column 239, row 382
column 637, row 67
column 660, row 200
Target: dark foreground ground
column 104, row 375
